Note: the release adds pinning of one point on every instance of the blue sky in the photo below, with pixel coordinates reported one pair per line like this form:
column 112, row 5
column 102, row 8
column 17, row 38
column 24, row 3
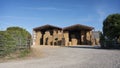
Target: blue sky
column 33, row 13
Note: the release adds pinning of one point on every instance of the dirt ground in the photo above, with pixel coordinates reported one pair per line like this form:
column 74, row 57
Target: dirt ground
column 67, row 57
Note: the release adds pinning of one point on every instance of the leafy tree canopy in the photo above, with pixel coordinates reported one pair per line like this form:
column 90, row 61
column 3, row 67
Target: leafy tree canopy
column 11, row 38
column 19, row 34
column 111, row 26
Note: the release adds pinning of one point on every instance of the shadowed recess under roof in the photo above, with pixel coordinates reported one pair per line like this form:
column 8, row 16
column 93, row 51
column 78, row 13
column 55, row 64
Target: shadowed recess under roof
column 47, row 27
column 78, row 27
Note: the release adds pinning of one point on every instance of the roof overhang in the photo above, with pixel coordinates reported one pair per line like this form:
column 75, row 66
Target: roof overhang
column 77, row 27
column 46, row 27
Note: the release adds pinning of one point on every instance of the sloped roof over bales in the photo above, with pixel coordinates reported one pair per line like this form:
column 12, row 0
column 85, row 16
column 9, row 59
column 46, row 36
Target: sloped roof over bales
column 78, row 27
column 46, row 27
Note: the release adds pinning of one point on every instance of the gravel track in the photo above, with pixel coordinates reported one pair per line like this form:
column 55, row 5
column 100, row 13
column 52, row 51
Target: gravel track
column 68, row 57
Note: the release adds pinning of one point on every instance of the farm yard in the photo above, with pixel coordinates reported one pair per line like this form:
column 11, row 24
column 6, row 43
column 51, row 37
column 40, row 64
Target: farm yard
column 67, row 57
column 59, row 34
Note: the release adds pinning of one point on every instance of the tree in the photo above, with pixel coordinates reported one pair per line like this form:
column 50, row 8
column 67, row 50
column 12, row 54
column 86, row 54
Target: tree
column 19, row 34
column 12, row 37
column 7, row 44
column 111, row 26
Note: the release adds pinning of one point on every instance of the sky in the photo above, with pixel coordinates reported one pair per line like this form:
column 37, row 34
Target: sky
column 29, row 14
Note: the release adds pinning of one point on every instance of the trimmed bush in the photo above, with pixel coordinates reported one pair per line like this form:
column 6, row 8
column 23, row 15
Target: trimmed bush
column 12, row 39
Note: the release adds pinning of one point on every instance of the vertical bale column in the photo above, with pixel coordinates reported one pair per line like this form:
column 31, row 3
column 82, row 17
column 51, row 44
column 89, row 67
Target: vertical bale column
column 66, row 36
column 60, row 36
column 34, row 38
column 74, row 41
column 92, row 38
column 38, row 37
column 91, row 34
column 45, row 38
column 55, row 37
column 83, row 37
column 88, row 37
column 50, row 39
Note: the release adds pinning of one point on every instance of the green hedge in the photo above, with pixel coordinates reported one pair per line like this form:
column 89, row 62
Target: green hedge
column 11, row 39
column 7, row 43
